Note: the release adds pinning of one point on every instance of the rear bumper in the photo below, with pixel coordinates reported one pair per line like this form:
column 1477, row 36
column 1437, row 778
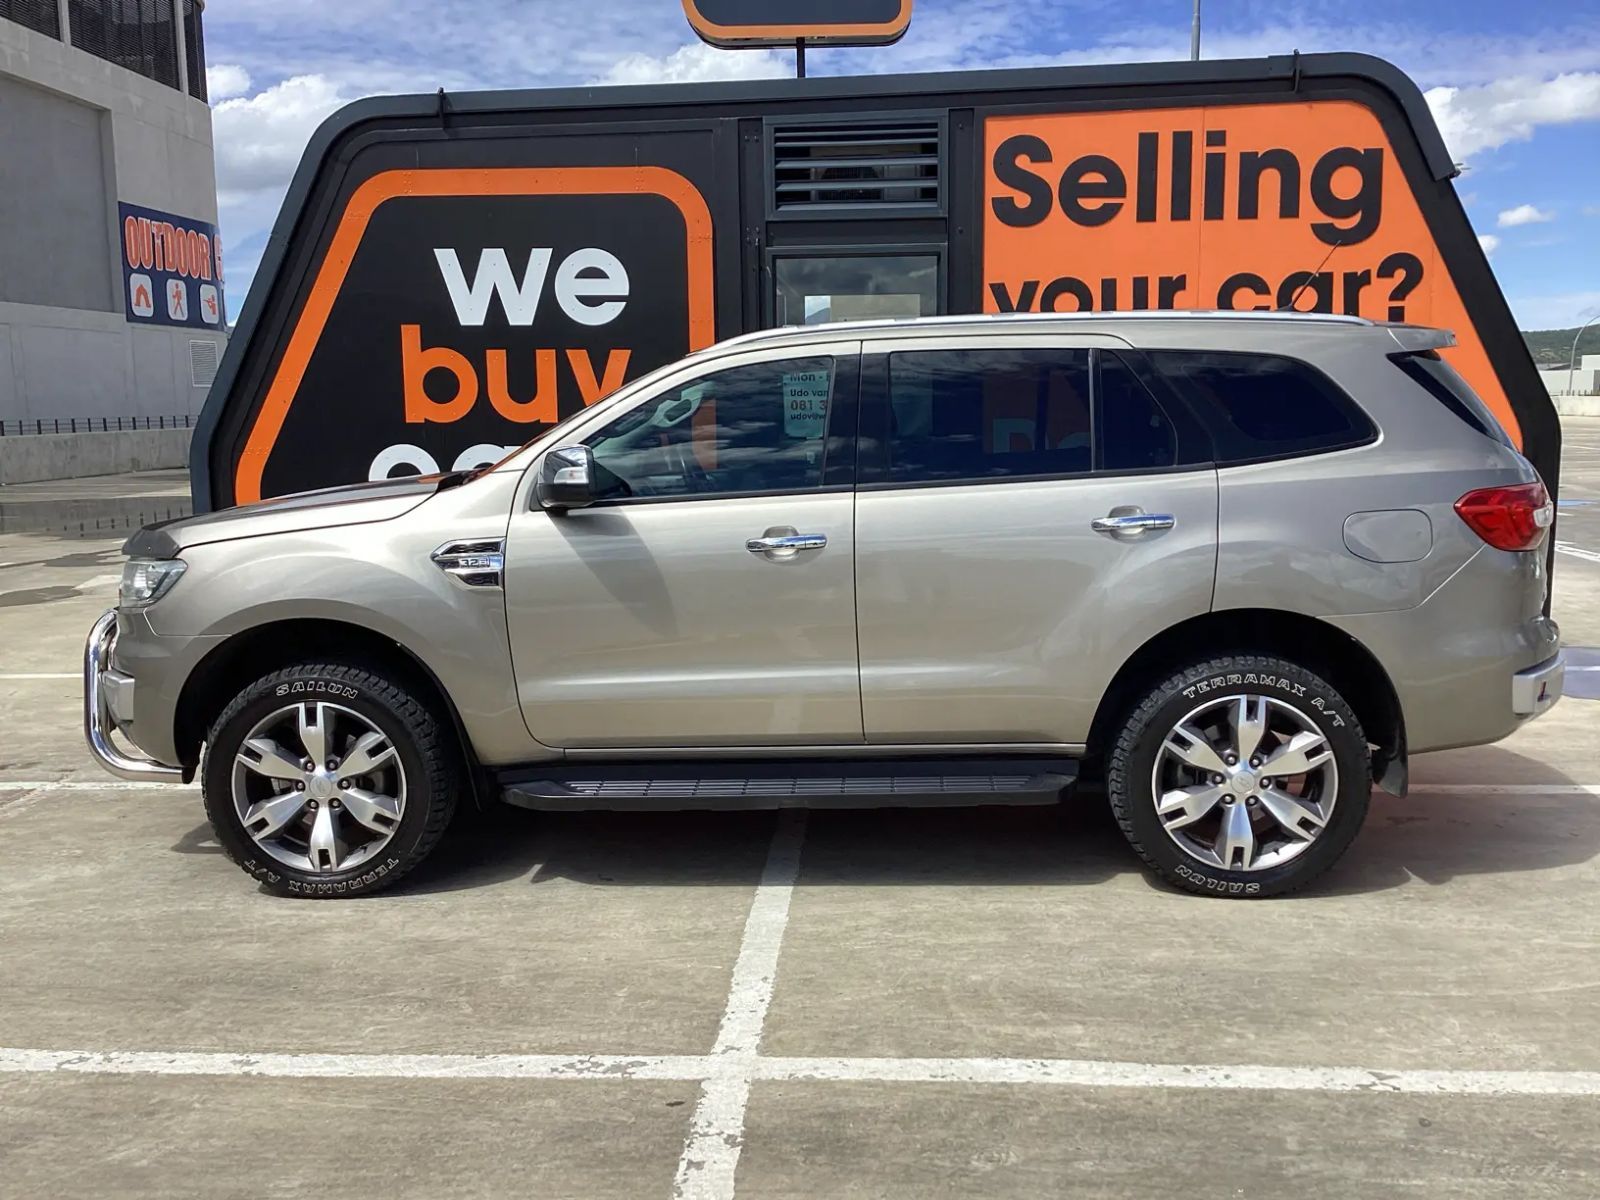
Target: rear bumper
column 108, row 697
column 1536, row 690
column 1473, row 661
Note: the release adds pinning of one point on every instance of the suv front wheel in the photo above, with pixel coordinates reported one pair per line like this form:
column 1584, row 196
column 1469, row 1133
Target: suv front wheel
column 327, row 780
column 1241, row 776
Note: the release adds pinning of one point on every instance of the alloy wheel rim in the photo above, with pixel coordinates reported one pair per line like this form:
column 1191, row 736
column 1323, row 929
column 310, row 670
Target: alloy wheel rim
column 1244, row 783
column 319, row 787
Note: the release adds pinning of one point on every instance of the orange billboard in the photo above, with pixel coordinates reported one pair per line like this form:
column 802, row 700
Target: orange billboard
column 1249, row 206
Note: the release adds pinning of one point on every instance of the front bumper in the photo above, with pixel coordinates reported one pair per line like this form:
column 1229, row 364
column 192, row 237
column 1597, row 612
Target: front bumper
column 1536, row 689
column 108, row 704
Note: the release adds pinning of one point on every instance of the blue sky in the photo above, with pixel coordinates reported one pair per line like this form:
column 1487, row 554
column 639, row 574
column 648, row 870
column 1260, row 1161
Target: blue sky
column 1515, row 87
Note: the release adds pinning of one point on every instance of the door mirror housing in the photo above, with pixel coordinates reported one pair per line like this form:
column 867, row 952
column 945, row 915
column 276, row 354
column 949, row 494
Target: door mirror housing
column 567, row 479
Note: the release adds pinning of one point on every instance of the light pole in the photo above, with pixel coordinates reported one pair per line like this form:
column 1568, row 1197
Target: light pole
column 1194, row 35
column 1572, row 360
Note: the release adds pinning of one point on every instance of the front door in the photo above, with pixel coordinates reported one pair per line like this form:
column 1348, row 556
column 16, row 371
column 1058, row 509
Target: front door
column 709, row 599
column 1028, row 517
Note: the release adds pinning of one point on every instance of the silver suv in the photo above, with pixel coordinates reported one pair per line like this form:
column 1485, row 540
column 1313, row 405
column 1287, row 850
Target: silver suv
column 1237, row 567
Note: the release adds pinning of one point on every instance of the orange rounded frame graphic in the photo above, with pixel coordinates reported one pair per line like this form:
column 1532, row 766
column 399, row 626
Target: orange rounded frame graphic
column 485, row 181
column 860, row 33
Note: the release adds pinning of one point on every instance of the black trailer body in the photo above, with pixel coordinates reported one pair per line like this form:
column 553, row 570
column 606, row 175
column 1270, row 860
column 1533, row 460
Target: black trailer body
column 450, row 274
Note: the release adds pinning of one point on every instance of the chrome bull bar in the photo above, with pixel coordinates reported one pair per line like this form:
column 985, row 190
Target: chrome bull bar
column 97, row 718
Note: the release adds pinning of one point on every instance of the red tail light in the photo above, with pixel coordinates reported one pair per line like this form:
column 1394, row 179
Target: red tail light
column 1509, row 518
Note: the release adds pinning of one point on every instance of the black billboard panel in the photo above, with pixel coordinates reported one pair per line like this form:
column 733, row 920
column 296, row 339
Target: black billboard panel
column 735, row 23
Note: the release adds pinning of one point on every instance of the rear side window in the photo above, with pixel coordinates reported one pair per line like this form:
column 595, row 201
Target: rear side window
column 987, row 414
column 1261, row 406
column 1442, row 382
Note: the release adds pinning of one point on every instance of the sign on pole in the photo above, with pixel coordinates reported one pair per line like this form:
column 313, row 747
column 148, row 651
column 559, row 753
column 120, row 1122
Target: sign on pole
column 748, row 23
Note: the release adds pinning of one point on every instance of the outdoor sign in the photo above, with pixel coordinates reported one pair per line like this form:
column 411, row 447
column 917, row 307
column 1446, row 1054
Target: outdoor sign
column 171, row 269
column 451, row 275
column 745, row 23
column 1264, row 206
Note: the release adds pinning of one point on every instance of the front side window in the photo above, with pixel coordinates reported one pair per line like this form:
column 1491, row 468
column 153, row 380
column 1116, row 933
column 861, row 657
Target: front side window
column 1260, row 406
column 756, row 428
column 987, row 414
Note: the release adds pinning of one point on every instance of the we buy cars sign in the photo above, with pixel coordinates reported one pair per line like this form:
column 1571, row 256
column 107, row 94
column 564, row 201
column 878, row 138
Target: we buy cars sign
column 466, row 308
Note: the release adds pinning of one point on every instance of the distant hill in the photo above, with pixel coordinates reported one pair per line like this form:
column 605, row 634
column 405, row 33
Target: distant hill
column 1553, row 347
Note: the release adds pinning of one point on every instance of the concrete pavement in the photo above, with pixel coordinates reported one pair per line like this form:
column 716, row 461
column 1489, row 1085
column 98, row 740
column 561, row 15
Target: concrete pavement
column 640, row 1005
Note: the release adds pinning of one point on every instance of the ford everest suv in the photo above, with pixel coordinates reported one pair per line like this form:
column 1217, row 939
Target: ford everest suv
column 1236, row 566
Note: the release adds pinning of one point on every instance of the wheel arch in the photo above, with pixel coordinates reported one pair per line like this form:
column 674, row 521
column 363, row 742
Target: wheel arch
column 1332, row 653
column 248, row 655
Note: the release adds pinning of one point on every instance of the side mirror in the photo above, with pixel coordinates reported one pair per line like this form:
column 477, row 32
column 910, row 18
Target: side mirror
column 566, row 479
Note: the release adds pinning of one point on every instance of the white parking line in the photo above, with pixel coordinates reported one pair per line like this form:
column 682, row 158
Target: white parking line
column 1508, row 789
column 710, row 1157
column 85, row 785
column 1066, row 1072
column 41, row 675
column 711, row 1068
column 1577, row 552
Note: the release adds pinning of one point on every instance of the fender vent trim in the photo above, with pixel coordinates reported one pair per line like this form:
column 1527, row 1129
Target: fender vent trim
column 476, row 564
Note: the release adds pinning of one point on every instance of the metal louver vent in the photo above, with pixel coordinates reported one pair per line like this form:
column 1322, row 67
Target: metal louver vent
column 860, row 165
column 202, row 363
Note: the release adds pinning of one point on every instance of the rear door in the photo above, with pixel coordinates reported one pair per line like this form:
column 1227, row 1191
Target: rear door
column 1029, row 515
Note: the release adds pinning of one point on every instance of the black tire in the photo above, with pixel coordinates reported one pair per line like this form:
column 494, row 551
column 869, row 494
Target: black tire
column 422, row 738
column 1133, row 758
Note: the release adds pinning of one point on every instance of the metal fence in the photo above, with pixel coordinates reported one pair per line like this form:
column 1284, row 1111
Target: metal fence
column 41, row 425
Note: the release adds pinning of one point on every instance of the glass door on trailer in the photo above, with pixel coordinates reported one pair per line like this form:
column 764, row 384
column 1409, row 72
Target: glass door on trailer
column 815, row 287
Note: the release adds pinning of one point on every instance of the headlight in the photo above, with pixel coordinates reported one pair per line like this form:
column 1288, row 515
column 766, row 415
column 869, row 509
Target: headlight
column 145, row 580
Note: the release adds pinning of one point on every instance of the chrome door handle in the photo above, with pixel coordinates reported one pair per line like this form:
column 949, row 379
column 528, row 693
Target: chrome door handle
column 790, row 543
column 1132, row 524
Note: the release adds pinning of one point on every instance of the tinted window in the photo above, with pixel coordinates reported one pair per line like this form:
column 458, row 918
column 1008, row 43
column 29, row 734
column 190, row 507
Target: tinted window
column 1134, row 433
column 1455, row 393
column 987, row 414
column 757, row 428
column 1262, row 405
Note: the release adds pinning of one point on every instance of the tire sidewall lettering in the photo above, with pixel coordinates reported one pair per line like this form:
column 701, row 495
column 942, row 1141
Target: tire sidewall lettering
column 1233, row 887
column 325, row 687
column 1268, row 683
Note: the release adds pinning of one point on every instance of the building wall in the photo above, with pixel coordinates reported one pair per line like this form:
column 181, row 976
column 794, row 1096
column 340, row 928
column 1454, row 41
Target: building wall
column 1584, row 380
column 80, row 134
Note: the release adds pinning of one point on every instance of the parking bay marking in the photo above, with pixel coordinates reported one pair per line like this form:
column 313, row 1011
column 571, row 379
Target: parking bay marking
column 709, row 1068
column 1578, row 552
column 710, row 1158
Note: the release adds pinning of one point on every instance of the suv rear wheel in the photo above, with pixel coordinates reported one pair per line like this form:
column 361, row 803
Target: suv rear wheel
column 1240, row 776
column 327, row 780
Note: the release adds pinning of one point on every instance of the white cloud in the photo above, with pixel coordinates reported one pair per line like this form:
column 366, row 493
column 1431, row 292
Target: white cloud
column 259, row 139
column 697, row 63
column 1523, row 214
column 1483, row 117
column 1489, row 242
column 225, row 81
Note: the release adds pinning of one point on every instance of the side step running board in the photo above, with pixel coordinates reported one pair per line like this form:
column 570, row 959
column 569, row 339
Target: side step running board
column 858, row 786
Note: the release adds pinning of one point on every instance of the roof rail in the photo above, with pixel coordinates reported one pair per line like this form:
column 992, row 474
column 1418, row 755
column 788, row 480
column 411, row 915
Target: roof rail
column 891, row 323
